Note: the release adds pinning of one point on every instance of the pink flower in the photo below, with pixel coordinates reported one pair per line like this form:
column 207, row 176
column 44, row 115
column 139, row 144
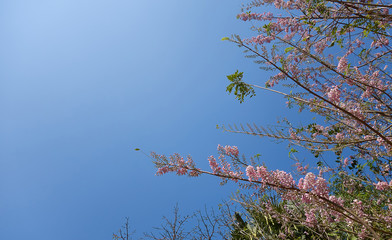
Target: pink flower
column 284, row 179
column 311, row 218
column 321, row 187
column 162, row 170
column 346, row 162
column 382, row 186
column 301, row 183
column 334, row 94
column 339, row 136
column 251, row 173
column 260, row 40
column 182, row 171
column 232, row 150
column 213, row 164
column 358, row 203
column 343, row 64
column 321, row 45
column 228, row 150
column 255, row 16
column 306, row 198
column 336, row 200
column 382, row 41
column 309, row 181
column 293, row 135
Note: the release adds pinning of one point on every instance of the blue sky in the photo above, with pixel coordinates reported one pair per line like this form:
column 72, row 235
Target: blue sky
column 83, row 83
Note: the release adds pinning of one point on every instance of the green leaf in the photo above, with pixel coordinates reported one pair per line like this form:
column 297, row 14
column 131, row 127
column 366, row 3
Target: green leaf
column 292, row 150
column 241, row 89
column 366, row 32
column 225, row 39
column 230, row 87
column 137, row 149
column 288, row 49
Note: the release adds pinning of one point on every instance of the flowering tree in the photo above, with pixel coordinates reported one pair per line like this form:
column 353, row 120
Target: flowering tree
column 334, row 57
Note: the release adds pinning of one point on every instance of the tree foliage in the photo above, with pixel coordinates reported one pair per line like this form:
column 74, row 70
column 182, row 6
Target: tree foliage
column 332, row 56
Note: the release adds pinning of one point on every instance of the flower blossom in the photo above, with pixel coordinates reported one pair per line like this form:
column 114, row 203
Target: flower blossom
column 311, row 218
column 231, row 150
column 382, row 41
column 382, row 186
column 343, row 64
column 214, row 165
column 255, row 16
column 321, row 45
column 336, row 200
column 339, row 136
column 334, row 94
column 162, row 171
column 251, row 173
column 346, row 162
column 283, row 178
column 259, row 40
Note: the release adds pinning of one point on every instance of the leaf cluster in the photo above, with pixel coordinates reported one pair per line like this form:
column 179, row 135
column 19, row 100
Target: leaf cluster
column 241, row 89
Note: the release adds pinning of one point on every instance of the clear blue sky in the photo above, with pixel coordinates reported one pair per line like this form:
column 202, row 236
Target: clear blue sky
column 82, row 83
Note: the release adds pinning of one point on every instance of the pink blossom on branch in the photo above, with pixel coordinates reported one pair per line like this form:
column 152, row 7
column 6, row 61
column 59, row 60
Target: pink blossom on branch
column 335, row 71
column 214, row 165
column 312, row 191
column 334, row 94
column 382, row 186
column 255, row 16
column 252, row 174
column 229, row 150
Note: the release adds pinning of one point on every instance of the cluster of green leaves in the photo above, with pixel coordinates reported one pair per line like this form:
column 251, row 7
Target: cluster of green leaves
column 241, row 89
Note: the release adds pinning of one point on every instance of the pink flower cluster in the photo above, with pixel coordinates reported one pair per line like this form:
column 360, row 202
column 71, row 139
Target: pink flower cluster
column 334, row 94
column 343, row 64
column 312, row 191
column 224, row 168
column 382, row 142
column 339, row 136
column 258, row 174
column 316, row 185
column 162, row 170
column 383, row 186
column 382, row 41
column 255, row 16
column 321, row 45
column 277, row 178
column 293, row 135
column 339, row 201
column 275, row 79
column 311, row 219
column 259, row 40
column 229, row 150
column 283, row 179
column 177, row 164
column 301, row 169
column 214, row 165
